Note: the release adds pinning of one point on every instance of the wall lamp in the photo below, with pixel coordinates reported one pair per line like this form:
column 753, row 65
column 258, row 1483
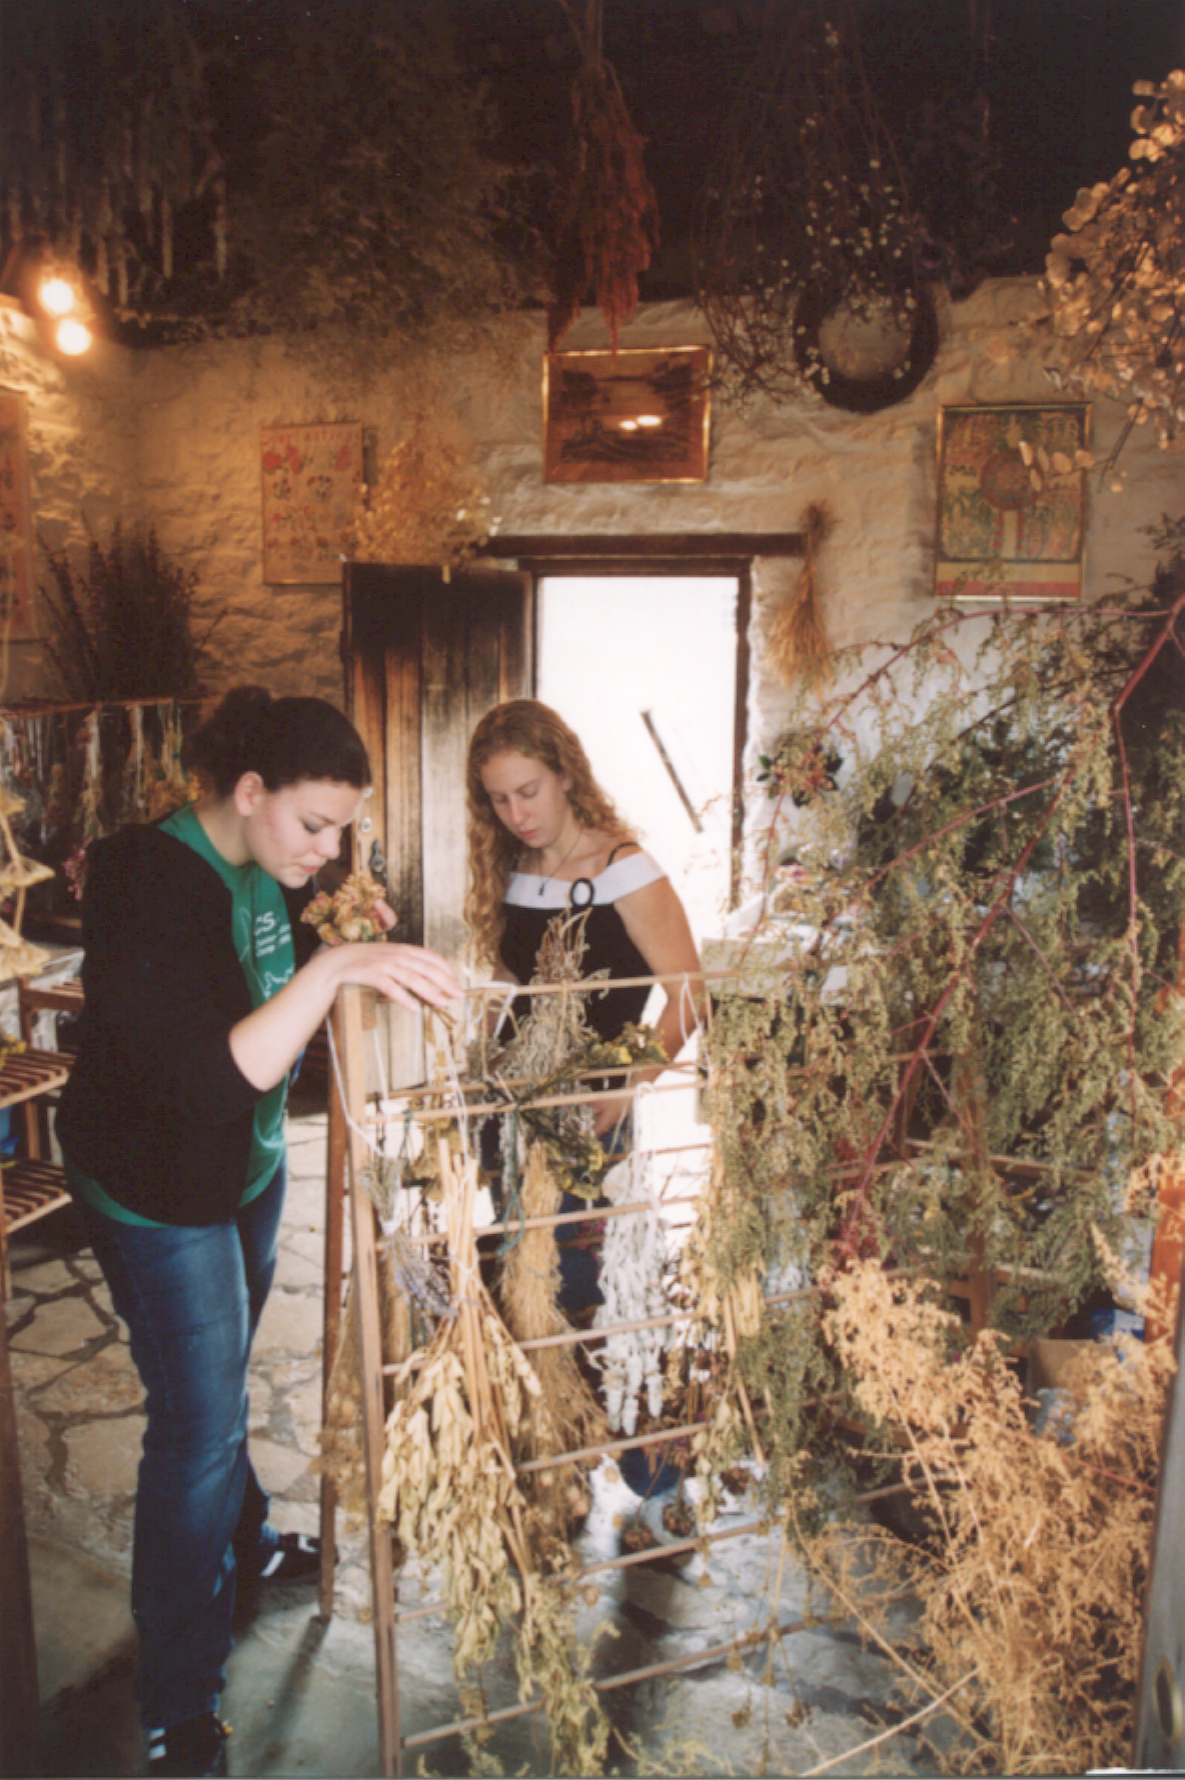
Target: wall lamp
column 53, row 295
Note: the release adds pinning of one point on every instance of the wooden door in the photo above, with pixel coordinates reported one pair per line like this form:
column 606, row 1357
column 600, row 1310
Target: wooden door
column 424, row 659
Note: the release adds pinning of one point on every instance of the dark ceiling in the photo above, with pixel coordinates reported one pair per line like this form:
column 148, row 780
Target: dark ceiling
column 1054, row 78
column 1000, row 109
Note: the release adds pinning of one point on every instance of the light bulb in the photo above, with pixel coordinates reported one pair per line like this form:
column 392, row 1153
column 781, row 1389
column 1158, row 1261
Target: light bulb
column 56, row 296
column 72, row 337
column 650, row 420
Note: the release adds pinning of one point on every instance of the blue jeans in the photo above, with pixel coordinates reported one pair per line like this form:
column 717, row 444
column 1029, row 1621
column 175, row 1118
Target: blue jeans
column 191, row 1298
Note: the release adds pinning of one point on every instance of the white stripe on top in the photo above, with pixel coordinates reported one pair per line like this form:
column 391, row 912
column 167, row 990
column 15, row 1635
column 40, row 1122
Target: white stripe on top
column 634, row 872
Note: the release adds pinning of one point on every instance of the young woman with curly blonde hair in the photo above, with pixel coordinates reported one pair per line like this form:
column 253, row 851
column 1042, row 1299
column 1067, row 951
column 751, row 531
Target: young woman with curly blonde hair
column 544, row 838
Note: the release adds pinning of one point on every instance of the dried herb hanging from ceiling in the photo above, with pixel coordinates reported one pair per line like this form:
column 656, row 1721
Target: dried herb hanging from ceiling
column 608, row 225
column 808, row 197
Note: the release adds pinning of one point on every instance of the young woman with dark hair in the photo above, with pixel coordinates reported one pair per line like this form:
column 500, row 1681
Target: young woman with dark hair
column 201, row 990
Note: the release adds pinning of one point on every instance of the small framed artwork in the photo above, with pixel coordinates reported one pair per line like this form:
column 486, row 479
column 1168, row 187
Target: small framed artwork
column 637, row 416
column 1012, row 501
column 16, row 532
column 311, row 479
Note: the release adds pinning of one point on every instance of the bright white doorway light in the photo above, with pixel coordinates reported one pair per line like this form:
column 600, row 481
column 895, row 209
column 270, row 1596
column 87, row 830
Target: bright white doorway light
column 611, row 649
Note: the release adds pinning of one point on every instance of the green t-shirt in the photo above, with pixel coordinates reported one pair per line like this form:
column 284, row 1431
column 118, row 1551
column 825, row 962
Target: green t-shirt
column 263, row 945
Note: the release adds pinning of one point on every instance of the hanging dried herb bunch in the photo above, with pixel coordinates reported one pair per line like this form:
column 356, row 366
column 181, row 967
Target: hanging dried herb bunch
column 106, row 139
column 1030, row 1573
column 808, row 195
column 1000, row 882
column 124, row 628
column 429, row 504
column 1116, row 278
column 798, row 641
column 608, row 224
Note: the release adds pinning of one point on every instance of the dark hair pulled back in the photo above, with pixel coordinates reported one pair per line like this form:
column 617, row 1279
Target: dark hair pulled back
column 284, row 740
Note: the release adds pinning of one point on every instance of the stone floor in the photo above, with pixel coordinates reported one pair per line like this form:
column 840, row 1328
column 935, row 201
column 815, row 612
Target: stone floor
column 301, row 1692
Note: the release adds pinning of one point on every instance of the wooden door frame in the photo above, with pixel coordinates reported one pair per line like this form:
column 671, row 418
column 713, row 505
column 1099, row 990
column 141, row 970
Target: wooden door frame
column 668, row 554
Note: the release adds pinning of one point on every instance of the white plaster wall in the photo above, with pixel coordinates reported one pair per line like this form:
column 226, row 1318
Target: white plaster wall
column 191, row 417
column 81, row 456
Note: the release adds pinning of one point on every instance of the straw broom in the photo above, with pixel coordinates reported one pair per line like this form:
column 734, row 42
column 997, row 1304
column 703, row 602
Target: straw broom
column 798, row 642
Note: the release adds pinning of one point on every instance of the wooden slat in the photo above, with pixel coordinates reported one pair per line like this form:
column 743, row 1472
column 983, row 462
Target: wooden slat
column 356, row 1010
column 448, row 629
column 331, row 1312
column 26, row 1073
column 403, row 678
column 30, row 1190
column 365, row 694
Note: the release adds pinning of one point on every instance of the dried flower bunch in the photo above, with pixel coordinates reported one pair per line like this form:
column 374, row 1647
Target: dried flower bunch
column 573, row 1417
column 349, row 914
column 124, row 628
column 1004, row 894
column 1116, row 278
column 430, row 503
column 798, row 644
column 1030, row 1574
column 451, row 1495
column 809, row 197
column 608, row 225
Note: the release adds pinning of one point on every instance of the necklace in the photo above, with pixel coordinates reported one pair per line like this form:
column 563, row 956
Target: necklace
column 560, row 866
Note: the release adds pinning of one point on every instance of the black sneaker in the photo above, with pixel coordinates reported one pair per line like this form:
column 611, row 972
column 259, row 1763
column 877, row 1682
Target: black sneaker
column 195, row 1746
column 295, row 1557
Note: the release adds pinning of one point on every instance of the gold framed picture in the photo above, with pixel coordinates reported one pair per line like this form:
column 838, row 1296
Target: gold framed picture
column 16, row 539
column 636, row 416
column 1012, row 501
column 311, row 478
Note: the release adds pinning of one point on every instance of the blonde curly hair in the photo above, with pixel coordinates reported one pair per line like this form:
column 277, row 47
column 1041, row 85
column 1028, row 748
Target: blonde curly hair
column 521, row 726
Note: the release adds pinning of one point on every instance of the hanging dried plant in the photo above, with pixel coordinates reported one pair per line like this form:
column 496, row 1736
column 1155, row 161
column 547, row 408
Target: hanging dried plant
column 608, row 225
column 573, row 1418
column 124, row 629
column 1030, row 1577
column 429, row 504
column 106, row 135
column 1115, row 280
column 808, row 197
column 798, row 642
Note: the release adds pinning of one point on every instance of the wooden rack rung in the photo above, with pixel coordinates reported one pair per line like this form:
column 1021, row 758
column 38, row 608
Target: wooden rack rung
column 593, row 1213
column 30, row 1190
column 26, row 1073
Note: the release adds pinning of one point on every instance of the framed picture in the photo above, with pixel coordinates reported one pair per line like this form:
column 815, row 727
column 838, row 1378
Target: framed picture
column 16, row 532
column 626, row 417
column 1012, row 501
column 311, row 479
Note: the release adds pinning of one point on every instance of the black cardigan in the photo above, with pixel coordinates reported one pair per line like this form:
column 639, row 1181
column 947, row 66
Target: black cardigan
column 156, row 1109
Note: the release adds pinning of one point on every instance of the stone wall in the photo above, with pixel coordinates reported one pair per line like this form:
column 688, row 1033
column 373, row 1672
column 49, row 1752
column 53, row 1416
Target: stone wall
column 172, row 436
column 82, row 457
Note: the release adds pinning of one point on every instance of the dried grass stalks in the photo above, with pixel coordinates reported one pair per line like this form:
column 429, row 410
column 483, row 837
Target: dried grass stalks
column 572, row 1415
column 1032, row 1580
column 798, row 641
column 342, row 1451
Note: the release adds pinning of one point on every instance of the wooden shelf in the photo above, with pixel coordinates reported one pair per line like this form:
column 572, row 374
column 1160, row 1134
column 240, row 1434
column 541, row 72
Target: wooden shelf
column 30, row 1190
column 34, row 1186
column 26, row 1074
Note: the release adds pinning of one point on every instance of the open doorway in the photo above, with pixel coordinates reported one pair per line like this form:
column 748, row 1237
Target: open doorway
column 644, row 669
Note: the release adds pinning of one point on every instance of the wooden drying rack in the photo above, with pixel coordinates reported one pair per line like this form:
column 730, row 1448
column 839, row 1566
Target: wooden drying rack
column 353, row 1019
